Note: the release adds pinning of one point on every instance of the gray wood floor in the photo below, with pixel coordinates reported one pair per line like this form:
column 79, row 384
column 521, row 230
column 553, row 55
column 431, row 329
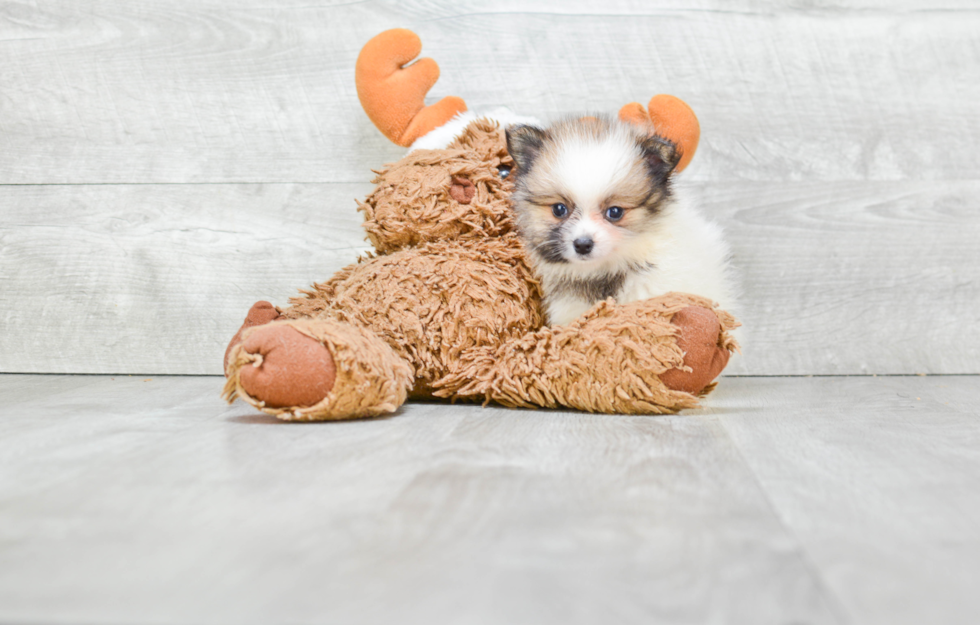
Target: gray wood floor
column 786, row 500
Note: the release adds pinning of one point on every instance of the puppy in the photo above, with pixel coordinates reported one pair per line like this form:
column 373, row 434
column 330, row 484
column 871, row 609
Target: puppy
column 594, row 203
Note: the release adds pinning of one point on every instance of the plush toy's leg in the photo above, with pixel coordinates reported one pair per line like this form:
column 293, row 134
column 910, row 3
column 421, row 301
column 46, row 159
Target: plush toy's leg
column 315, row 370
column 649, row 357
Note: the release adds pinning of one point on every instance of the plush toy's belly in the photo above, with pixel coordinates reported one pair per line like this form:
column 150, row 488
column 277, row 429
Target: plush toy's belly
column 433, row 302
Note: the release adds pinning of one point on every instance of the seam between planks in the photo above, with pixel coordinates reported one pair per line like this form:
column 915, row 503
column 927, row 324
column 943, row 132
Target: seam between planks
column 835, row 607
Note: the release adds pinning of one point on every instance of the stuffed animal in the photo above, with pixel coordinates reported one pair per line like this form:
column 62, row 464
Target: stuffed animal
column 447, row 306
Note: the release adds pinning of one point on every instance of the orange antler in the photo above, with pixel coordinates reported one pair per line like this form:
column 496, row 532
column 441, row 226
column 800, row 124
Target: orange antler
column 672, row 119
column 393, row 95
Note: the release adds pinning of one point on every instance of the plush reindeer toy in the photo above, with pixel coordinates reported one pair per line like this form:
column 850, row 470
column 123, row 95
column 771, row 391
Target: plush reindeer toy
column 448, row 306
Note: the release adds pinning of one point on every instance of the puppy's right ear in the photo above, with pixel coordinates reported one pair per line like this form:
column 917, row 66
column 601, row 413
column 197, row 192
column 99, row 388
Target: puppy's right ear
column 524, row 144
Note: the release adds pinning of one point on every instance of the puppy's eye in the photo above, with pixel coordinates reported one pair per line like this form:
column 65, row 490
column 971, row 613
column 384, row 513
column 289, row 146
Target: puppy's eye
column 615, row 213
column 503, row 171
column 559, row 210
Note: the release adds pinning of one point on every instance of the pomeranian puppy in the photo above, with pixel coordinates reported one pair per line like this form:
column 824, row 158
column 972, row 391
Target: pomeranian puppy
column 595, row 206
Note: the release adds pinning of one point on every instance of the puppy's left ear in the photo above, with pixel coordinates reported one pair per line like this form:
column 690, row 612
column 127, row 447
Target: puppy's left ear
column 661, row 156
column 524, row 144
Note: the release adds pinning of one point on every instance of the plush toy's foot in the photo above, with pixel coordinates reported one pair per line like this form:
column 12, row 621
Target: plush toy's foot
column 700, row 340
column 315, row 370
column 259, row 314
column 294, row 369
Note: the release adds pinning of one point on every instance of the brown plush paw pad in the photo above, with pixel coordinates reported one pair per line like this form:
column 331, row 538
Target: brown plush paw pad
column 699, row 341
column 295, row 370
column 259, row 314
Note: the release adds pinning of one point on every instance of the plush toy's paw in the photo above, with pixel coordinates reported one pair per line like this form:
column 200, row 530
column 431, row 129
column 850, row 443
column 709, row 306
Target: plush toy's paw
column 293, row 369
column 699, row 339
column 317, row 370
column 259, row 314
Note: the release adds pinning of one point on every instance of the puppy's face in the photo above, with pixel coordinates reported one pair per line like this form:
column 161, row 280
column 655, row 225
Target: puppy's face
column 588, row 190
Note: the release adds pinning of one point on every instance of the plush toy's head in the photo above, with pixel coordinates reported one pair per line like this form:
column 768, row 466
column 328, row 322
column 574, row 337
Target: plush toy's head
column 434, row 195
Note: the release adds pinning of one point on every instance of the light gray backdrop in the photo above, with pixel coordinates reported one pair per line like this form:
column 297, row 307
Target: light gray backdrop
column 164, row 164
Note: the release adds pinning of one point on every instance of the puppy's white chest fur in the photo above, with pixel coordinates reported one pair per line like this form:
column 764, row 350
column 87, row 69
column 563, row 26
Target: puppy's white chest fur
column 684, row 253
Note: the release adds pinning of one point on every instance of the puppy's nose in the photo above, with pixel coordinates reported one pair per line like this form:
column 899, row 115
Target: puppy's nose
column 583, row 245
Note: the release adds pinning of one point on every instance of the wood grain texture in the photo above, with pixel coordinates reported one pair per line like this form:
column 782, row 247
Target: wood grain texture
column 193, row 157
column 842, row 278
column 151, row 278
column 877, row 478
column 854, row 277
column 132, row 501
column 788, row 500
column 155, row 91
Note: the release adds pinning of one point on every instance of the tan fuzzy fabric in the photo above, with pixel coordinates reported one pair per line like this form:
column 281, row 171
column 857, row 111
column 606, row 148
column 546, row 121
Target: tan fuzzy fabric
column 370, row 379
column 448, row 306
column 433, row 302
column 607, row 361
column 414, row 202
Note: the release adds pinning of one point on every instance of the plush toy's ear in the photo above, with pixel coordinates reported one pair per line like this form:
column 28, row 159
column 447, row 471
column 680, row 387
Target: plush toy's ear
column 670, row 118
column 393, row 93
column 524, row 143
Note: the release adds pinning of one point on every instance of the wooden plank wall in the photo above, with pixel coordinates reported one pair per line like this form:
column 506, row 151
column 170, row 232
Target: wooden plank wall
column 163, row 164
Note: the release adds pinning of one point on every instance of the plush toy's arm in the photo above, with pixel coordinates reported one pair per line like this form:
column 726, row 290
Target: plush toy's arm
column 670, row 118
column 648, row 357
column 393, row 92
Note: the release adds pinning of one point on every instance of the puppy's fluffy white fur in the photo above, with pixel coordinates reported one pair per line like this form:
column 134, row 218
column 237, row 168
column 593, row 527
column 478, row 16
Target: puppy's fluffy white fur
column 673, row 248
column 660, row 243
column 686, row 253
